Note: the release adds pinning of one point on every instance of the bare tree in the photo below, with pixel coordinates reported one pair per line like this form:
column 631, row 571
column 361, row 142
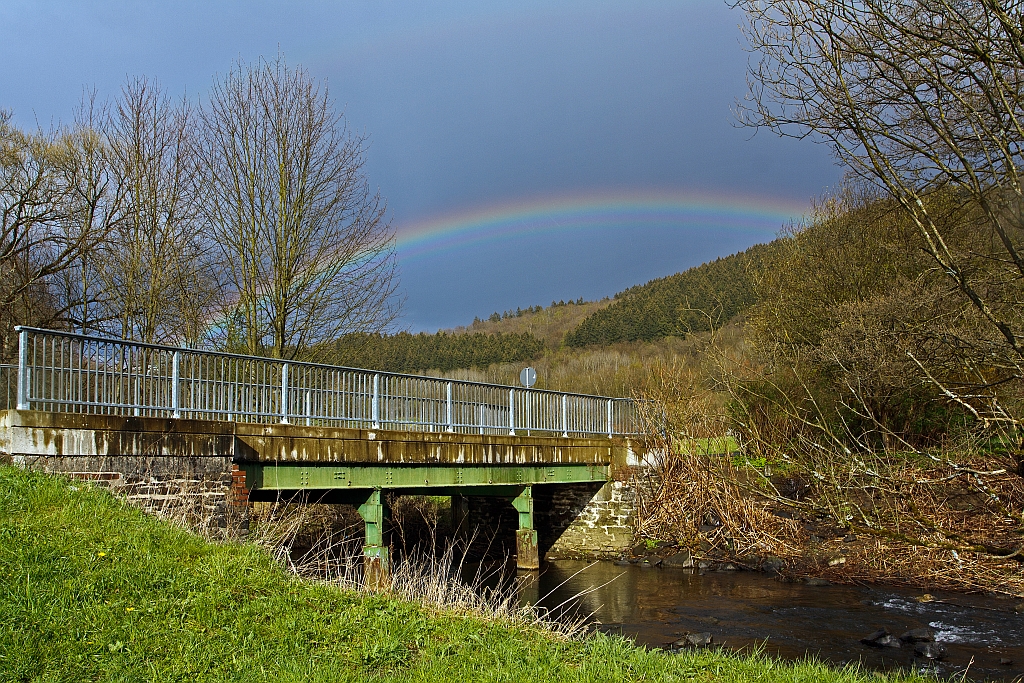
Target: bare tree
column 160, row 279
column 51, row 192
column 96, row 207
column 925, row 99
column 306, row 243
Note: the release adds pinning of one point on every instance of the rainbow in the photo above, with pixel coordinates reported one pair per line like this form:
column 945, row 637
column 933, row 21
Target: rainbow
column 759, row 217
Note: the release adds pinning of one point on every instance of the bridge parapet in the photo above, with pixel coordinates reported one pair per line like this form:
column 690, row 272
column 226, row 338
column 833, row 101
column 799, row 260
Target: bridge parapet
column 73, row 373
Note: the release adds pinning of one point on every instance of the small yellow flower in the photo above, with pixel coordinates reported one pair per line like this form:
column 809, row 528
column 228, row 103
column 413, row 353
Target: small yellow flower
column 101, row 554
column 129, row 609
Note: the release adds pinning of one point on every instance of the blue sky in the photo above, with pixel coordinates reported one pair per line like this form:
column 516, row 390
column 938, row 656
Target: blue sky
column 478, row 109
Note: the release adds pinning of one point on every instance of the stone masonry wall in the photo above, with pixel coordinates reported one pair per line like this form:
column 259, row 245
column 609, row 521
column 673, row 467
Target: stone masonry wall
column 600, row 523
column 575, row 520
column 206, row 493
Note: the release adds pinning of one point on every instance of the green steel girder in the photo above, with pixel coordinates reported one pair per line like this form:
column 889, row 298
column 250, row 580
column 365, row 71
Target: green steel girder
column 354, row 496
column 523, row 503
column 299, row 477
column 375, row 515
column 527, row 549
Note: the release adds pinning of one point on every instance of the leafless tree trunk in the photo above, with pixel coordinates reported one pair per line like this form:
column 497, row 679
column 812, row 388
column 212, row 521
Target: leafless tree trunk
column 306, row 243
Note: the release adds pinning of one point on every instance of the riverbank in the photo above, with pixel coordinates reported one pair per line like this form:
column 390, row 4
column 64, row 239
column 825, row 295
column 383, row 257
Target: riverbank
column 94, row 589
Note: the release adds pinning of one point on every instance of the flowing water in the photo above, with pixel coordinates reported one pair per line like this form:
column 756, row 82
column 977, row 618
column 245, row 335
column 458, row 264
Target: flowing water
column 745, row 610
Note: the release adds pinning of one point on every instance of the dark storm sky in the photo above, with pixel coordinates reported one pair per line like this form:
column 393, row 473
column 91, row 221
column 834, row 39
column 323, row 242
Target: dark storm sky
column 495, row 128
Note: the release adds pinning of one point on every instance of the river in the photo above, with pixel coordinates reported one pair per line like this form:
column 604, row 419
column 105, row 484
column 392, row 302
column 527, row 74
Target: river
column 743, row 610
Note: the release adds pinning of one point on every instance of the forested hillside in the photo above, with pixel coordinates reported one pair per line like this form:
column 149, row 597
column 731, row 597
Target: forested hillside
column 549, row 337
column 696, row 300
column 405, row 352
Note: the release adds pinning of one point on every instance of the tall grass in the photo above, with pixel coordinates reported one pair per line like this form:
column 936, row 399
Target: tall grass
column 323, row 544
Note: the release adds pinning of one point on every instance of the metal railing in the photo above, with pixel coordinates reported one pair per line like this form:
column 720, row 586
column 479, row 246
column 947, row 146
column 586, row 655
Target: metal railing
column 75, row 373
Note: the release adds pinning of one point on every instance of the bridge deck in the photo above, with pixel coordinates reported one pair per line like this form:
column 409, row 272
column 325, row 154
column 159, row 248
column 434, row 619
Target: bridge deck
column 66, row 434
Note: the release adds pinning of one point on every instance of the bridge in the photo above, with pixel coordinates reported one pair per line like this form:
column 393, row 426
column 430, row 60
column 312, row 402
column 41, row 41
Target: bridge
column 273, row 429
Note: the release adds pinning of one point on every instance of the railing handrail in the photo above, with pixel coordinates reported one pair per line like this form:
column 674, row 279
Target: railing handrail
column 322, row 366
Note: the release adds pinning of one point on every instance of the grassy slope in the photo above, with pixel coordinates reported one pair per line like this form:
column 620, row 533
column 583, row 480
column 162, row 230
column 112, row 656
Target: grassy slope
column 550, row 324
column 92, row 589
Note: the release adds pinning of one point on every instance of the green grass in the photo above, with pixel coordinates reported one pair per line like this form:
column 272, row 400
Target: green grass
column 719, row 445
column 94, row 590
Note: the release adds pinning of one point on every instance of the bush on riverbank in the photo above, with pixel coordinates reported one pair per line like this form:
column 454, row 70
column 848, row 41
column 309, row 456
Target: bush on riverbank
column 93, row 589
column 877, row 442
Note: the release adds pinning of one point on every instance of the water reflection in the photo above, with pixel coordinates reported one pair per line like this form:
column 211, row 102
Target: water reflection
column 657, row 606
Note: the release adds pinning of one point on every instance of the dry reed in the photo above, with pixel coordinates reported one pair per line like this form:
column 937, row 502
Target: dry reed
column 949, row 517
column 437, row 576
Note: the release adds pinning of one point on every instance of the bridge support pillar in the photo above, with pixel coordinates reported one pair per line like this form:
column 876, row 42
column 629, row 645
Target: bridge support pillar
column 376, row 518
column 527, row 549
column 460, row 518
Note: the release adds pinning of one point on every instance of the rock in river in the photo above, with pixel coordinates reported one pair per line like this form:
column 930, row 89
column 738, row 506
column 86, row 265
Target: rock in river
column 930, row 650
column 681, row 559
column 881, row 638
column 919, row 635
column 693, row 640
column 698, row 639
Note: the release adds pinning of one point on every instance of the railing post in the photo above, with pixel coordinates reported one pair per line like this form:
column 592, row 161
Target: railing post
column 284, row 394
column 565, row 415
column 512, row 412
column 448, row 409
column 610, row 432
column 481, row 419
column 175, row 380
column 375, row 402
column 528, row 418
column 309, row 408
column 23, row 376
